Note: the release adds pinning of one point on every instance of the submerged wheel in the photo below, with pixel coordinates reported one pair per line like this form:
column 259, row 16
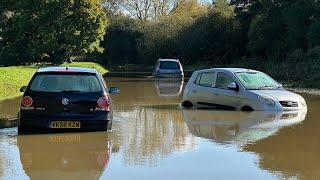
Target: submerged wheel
column 187, row 104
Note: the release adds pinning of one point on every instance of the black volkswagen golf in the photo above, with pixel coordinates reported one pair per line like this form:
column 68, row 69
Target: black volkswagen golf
column 62, row 98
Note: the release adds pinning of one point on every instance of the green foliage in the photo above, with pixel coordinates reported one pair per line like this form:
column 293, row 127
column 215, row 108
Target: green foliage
column 122, row 40
column 313, row 34
column 223, row 33
column 298, row 16
column 49, row 30
column 212, row 38
column 192, row 32
column 13, row 78
column 266, row 35
column 100, row 68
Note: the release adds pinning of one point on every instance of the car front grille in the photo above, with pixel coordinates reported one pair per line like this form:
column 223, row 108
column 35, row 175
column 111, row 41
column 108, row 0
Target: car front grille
column 289, row 116
column 289, row 104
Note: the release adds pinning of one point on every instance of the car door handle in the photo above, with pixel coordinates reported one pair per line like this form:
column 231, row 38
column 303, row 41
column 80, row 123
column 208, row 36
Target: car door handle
column 194, row 91
column 216, row 94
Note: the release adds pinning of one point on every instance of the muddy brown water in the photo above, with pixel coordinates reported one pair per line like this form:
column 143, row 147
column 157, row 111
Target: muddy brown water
column 153, row 138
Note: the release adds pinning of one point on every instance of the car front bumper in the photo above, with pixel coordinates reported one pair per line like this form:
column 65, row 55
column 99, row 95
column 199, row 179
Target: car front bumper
column 277, row 107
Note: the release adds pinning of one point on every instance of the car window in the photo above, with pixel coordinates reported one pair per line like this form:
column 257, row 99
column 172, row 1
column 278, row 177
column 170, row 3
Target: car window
column 63, row 82
column 205, row 79
column 169, row 65
column 257, row 80
column 223, row 80
column 197, row 81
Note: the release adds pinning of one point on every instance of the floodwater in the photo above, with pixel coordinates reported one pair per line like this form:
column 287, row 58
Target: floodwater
column 153, row 138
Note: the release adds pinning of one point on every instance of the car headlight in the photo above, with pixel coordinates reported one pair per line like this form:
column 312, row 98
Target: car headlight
column 303, row 102
column 267, row 100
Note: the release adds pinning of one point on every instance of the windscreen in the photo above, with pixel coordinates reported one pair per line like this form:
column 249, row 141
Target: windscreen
column 65, row 83
column 169, row 65
column 257, row 81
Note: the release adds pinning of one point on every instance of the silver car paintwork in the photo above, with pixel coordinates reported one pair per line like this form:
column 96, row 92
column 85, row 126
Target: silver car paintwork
column 238, row 99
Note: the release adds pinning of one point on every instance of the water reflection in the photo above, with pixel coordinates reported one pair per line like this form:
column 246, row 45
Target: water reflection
column 294, row 151
column 65, row 156
column 240, row 127
column 169, row 87
column 148, row 125
column 149, row 133
column 153, row 138
column 138, row 91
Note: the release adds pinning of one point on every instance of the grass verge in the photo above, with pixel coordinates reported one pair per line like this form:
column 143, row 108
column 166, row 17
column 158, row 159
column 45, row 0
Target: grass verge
column 14, row 77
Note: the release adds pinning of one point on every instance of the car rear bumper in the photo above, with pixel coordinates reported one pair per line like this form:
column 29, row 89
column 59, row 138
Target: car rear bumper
column 35, row 123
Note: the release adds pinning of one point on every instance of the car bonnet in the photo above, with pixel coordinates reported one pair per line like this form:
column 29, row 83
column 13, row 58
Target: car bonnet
column 278, row 95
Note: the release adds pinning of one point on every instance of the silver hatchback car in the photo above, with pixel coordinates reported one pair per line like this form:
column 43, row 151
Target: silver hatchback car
column 168, row 68
column 239, row 89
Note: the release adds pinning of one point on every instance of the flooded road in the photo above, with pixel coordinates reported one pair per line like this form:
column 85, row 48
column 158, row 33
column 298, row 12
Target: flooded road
column 153, row 138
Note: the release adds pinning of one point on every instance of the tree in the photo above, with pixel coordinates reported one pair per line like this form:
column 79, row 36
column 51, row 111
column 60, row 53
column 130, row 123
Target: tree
column 143, row 9
column 121, row 44
column 113, row 7
column 267, row 35
column 51, row 31
column 298, row 17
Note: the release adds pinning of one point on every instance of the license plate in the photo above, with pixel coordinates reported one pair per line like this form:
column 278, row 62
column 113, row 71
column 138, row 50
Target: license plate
column 65, row 124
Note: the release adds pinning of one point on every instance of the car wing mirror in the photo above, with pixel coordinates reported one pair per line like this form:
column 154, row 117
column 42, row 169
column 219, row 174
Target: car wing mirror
column 233, row 86
column 23, row 88
column 114, row 90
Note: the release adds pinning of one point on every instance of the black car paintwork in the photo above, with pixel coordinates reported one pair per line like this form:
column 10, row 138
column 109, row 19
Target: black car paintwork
column 48, row 106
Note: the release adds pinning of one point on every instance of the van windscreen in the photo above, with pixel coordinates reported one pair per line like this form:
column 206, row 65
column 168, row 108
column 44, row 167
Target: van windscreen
column 65, row 83
column 169, row 65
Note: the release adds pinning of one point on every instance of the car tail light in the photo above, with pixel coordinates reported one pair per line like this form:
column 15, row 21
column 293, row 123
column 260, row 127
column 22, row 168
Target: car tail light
column 103, row 102
column 27, row 101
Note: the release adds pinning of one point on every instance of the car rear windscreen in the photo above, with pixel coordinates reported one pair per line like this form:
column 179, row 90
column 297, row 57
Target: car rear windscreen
column 65, row 83
column 169, row 65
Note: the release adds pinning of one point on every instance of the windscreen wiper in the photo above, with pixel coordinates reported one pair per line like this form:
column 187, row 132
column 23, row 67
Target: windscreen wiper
column 267, row 87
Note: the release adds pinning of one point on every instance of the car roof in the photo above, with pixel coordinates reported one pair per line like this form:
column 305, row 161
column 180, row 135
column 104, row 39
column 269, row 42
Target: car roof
column 174, row 60
column 232, row 70
column 67, row 69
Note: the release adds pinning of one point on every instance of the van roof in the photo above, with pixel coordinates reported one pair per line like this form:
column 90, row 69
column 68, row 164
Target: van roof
column 174, row 60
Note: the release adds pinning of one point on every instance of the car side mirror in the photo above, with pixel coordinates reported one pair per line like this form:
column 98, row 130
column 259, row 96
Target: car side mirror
column 114, row 90
column 23, row 88
column 233, row 86
column 280, row 85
